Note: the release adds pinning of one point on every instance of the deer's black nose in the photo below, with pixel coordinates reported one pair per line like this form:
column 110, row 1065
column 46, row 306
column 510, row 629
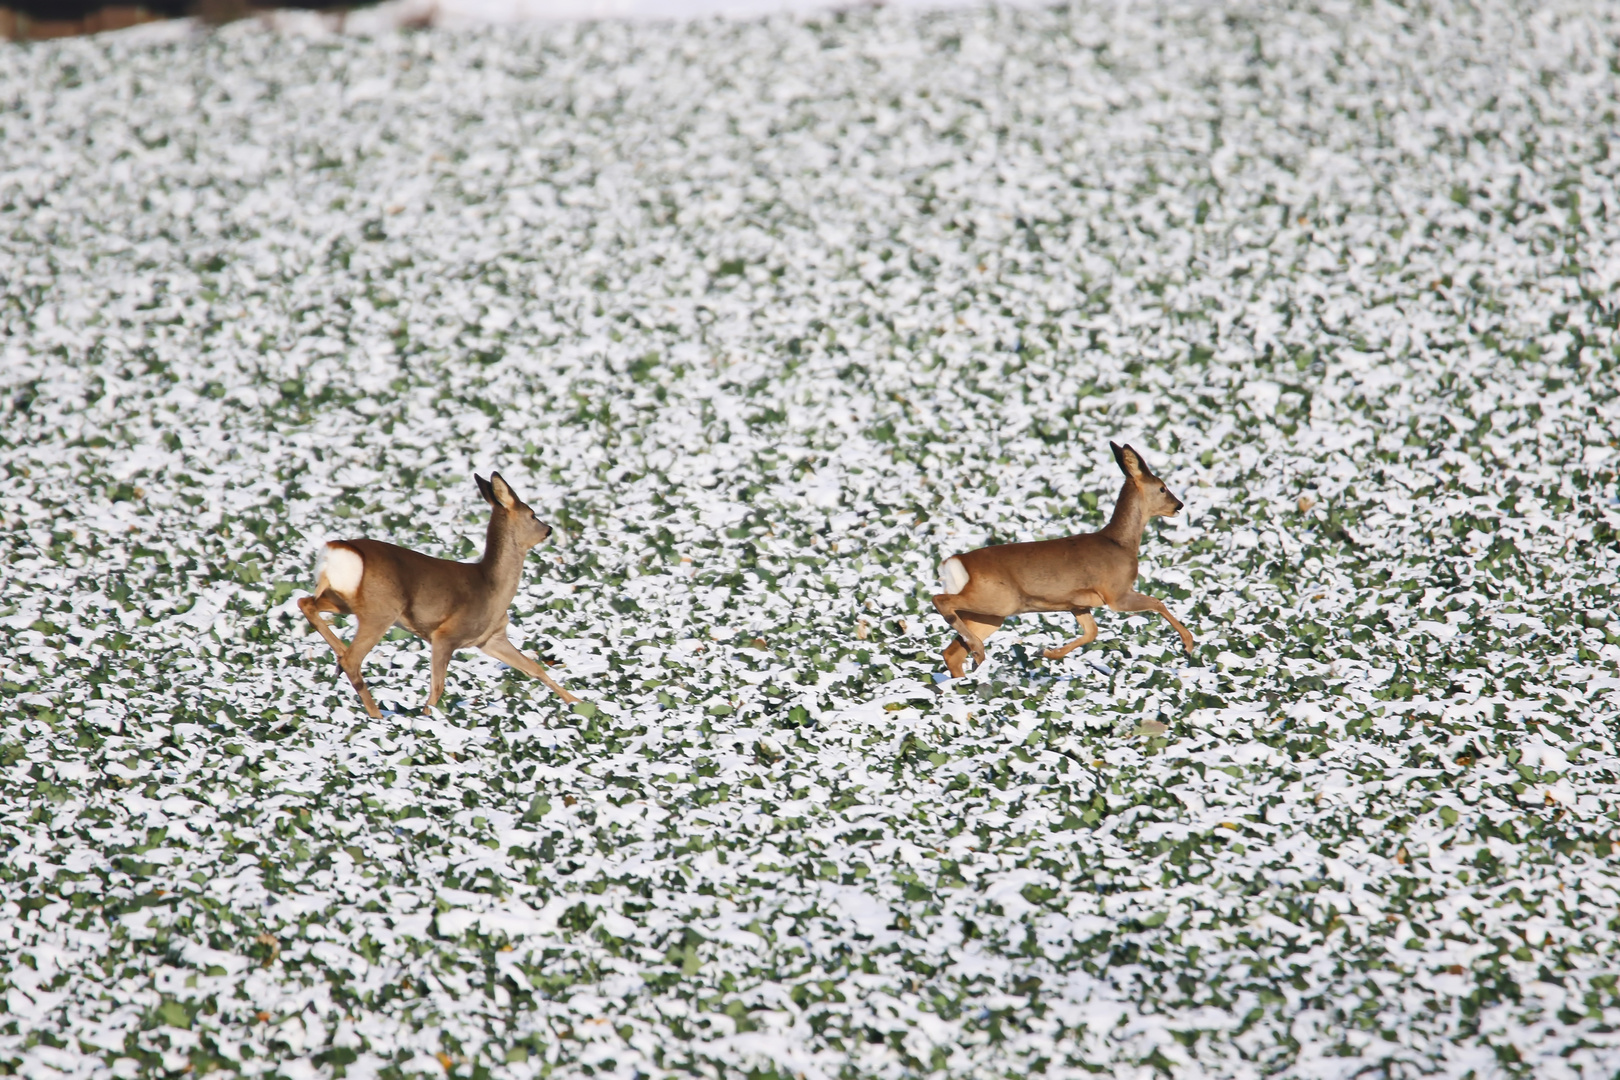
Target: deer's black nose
column 1179, row 505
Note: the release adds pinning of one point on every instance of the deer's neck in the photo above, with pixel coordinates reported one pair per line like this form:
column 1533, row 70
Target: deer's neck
column 502, row 562
column 1130, row 518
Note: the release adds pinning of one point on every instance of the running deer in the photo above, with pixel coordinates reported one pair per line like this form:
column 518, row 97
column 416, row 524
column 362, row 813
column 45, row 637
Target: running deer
column 453, row 605
column 1074, row 573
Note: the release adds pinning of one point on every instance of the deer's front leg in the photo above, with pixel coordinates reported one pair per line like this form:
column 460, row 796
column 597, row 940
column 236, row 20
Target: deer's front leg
column 442, row 652
column 1135, row 601
column 507, row 653
column 1088, row 634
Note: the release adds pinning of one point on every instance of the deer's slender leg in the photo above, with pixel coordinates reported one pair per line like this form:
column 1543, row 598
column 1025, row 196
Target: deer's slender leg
column 1135, row 601
column 442, row 652
column 312, row 606
column 956, row 652
column 1088, row 634
column 980, row 627
column 366, row 635
column 348, row 656
column 971, row 629
column 503, row 650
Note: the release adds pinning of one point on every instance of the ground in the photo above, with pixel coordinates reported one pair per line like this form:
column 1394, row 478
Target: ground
column 768, row 318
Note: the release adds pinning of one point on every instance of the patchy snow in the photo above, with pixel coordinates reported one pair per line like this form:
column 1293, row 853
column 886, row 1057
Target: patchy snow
column 768, row 318
column 469, row 14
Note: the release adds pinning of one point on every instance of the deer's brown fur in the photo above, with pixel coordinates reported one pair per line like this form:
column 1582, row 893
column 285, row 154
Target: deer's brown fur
column 453, row 605
column 1074, row 573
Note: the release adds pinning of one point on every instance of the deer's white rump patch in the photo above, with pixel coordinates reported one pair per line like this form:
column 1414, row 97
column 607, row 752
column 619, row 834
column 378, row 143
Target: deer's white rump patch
column 342, row 567
column 954, row 574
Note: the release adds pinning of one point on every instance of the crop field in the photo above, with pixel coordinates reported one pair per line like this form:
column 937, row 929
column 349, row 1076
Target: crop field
column 768, row 318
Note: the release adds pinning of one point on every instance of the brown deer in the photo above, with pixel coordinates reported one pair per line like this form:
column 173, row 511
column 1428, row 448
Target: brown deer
column 453, row 605
column 1074, row 573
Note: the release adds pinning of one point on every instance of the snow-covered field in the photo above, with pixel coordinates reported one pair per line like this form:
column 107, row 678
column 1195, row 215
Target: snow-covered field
column 768, row 317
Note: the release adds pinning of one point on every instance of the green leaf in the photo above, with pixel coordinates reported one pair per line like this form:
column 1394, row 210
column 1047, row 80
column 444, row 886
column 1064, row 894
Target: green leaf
column 174, row 1014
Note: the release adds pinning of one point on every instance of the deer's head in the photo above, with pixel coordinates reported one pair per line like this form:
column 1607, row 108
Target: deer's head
column 517, row 519
column 1155, row 494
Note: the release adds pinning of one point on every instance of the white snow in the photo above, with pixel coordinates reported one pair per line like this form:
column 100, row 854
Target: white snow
column 768, row 315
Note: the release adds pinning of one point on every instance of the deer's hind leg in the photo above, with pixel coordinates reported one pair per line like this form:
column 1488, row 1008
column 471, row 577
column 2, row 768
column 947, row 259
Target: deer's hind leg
column 312, row 606
column 366, row 635
column 971, row 628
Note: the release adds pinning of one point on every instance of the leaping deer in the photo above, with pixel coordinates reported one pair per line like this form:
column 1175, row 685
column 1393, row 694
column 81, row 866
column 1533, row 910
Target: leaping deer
column 453, row 605
column 1074, row 573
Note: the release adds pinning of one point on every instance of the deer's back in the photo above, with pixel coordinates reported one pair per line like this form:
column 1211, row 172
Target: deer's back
column 1049, row 573
column 424, row 591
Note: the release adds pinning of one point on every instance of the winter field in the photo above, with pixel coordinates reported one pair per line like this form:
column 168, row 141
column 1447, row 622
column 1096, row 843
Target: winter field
column 768, row 318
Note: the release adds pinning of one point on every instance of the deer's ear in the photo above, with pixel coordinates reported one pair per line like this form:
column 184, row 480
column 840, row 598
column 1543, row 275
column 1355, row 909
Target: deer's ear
column 502, row 491
column 1130, row 462
column 484, row 489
